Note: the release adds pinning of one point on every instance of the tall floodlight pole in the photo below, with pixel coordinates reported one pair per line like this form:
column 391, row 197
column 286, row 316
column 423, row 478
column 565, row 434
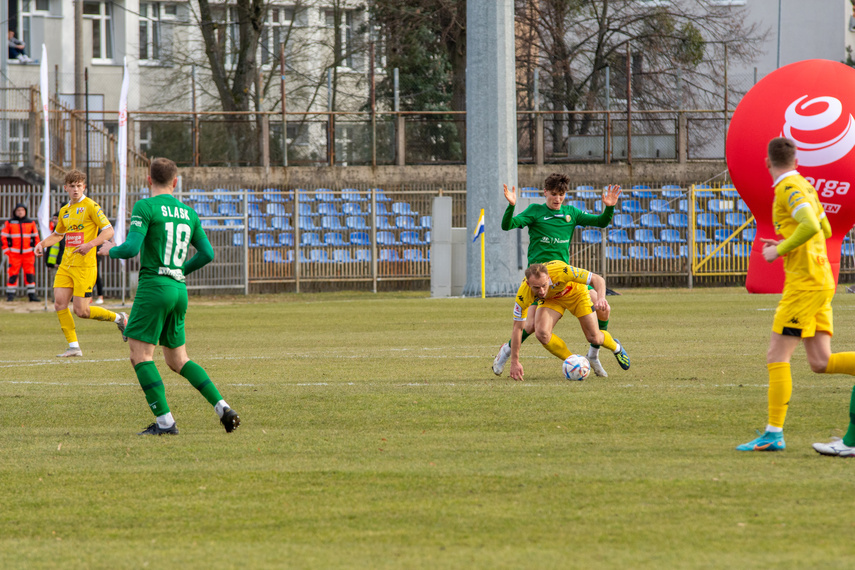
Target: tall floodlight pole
column 491, row 143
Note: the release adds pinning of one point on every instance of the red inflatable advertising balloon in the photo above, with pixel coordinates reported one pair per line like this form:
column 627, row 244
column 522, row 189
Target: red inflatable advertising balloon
column 813, row 103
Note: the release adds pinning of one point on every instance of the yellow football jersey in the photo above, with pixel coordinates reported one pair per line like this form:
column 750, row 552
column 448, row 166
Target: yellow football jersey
column 80, row 223
column 806, row 266
column 563, row 278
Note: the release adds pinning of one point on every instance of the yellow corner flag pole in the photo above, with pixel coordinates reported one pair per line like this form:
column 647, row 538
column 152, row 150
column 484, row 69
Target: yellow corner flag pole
column 483, row 275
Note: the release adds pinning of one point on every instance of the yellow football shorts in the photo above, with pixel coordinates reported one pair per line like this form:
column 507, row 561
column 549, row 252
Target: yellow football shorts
column 802, row 313
column 80, row 279
column 577, row 301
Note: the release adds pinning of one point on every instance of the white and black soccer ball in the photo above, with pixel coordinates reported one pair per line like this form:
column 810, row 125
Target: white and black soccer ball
column 576, row 367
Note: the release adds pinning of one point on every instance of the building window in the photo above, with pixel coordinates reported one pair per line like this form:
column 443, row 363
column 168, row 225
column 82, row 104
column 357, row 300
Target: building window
column 342, row 23
column 100, row 14
column 279, row 20
column 19, row 140
column 149, row 31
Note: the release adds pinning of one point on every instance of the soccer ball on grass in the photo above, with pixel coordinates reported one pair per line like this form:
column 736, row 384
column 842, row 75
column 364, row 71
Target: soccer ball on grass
column 576, row 367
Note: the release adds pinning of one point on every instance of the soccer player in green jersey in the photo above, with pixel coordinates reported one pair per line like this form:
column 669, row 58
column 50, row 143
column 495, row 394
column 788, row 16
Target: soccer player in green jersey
column 163, row 228
column 550, row 230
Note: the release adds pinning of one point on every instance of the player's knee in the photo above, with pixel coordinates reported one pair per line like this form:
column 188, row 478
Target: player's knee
column 543, row 336
column 82, row 312
column 818, row 365
column 593, row 337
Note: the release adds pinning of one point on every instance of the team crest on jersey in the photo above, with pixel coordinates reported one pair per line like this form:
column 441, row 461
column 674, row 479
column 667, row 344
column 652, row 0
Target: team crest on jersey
column 568, row 218
column 81, row 210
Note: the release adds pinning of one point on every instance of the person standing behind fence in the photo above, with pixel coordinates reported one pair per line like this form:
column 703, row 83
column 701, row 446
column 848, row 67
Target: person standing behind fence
column 53, row 254
column 19, row 236
column 78, row 225
column 550, row 230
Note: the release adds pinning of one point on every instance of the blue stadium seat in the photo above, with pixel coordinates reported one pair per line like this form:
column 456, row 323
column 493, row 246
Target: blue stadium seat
column 623, row 221
column 237, row 239
column 659, row 205
column 233, row 223
column 258, row 224
column 360, row 238
column 226, row 195
column 363, row 254
column 388, row 255
column 664, row 252
column 710, row 247
column 701, row 236
column 742, row 249
column 530, row 192
column 382, row 211
column 387, row 238
column 413, row 255
column 411, row 238
column 286, row 239
column 741, row 206
column 331, row 223
column 734, row 219
column 264, row 239
column 642, row 191
column 310, row 239
column 848, row 248
column 619, row 236
column 672, row 191
column 227, row 209
column 381, row 196
column 203, row 208
column 305, row 196
column 592, row 236
column 722, row 234
column 615, row 253
column 728, row 191
column 328, row 209
column 645, row 236
column 405, row 222
column 651, row 221
column 748, row 234
column 210, row 224
column 306, row 210
column 382, row 223
column 273, row 256
column 280, row 223
column 639, row 252
column 598, row 206
column 425, row 222
column 703, row 191
column 356, row 223
column 589, row 195
column 273, row 195
column 334, row 238
column 719, row 206
column 578, row 204
column 427, row 239
column 352, row 209
column 326, row 195
column 671, row 236
column 683, row 206
column 632, row 207
column 403, row 209
column 318, row 256
column 708, row 221
column 583, row 188
column 197, row 195
column 253, row 197
column 341, row 256
column 307, row 224
column 678, row 220
column 253, row 210
column 353, row 195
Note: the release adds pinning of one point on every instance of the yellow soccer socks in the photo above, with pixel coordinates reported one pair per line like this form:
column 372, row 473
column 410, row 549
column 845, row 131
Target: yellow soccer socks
column 66, row 322
column 841, row 363
column 557, row 347
column 99, row 314
column 780, row 391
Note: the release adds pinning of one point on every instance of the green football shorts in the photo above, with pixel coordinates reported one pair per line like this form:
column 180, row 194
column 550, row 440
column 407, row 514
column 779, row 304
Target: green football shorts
column 157, row 316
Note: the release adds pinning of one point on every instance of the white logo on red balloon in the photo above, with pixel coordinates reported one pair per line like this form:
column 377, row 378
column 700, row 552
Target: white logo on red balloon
column 821, row 138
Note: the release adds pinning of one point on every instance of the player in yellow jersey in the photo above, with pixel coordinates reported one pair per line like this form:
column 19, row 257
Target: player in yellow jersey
column 804, row 311
column 78, row 223
column 557, row 287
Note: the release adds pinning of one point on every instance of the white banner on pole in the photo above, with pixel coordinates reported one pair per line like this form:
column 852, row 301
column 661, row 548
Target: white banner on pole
column 122, row 153
column 44, row 207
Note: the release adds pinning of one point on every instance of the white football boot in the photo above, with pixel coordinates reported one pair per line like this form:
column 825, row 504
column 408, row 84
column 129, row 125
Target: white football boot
column 835, row 447
column 501, row 359
column 71, row 352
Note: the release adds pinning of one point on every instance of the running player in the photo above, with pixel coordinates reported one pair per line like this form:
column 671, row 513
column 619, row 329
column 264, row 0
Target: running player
column 164, row 228
column 555, row 287
column 550, row 230
column 78, row 223
column 804, row 311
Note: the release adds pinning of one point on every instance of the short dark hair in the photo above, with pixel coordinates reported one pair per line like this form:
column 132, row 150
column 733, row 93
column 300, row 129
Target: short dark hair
column 163, row 171
column 557, row 181
column 536, row 269
column 74, row 176
column 782, row 152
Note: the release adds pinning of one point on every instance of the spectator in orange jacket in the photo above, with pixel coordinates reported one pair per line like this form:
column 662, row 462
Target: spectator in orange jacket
column 20, row 234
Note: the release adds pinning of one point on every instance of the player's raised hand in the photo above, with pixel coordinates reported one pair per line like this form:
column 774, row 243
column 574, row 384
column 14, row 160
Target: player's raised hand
column 770, row 249
column 511, row 195
column 611, row 193
column 105, row 248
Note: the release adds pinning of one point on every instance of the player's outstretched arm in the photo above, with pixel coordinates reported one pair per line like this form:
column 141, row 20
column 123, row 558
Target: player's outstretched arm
column 611, row 193
column 131, row 247
column 204, row 256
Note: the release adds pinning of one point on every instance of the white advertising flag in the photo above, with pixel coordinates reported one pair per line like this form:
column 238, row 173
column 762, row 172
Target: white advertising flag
column 122, row 153
column 44, row 207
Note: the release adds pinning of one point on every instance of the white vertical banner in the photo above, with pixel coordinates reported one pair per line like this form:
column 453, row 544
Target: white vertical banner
column 122, row 153
column 44, row 207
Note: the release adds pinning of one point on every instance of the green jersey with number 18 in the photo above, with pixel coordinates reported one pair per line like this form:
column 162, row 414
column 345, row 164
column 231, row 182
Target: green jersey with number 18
column 168, row 228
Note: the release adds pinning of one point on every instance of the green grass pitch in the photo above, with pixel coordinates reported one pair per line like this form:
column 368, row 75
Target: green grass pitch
column 374, row 435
